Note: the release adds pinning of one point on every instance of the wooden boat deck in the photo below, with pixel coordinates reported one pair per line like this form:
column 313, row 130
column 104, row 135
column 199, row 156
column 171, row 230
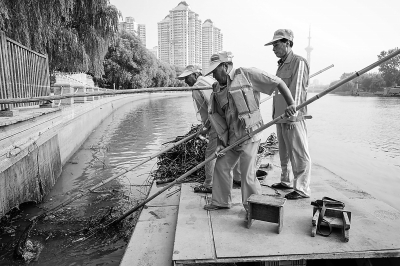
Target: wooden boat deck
column 222, row 235
column 175, row 229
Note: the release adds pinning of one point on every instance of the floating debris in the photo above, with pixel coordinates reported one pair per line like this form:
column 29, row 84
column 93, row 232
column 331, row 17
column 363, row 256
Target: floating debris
column 181, row 159
column 186, row 156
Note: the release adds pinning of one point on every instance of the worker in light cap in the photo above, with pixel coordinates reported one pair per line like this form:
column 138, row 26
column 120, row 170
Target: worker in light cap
column 292, row 132
column 235, row 113
column 201, row 98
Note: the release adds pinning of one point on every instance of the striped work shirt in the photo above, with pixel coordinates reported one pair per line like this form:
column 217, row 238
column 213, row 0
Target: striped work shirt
column 294, row 72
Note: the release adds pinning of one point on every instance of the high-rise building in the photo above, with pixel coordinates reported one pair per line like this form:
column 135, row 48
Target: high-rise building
column 164, row 43
column 182, row 27
column 212, row 40
column 141, row 33
column 154, row 51
column 183, row 39
column 131, row 26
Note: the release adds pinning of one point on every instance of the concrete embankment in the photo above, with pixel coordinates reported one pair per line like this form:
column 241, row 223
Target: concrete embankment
column 35, row 144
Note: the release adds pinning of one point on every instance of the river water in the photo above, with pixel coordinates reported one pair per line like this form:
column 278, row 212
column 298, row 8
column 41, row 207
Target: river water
column 356, row 138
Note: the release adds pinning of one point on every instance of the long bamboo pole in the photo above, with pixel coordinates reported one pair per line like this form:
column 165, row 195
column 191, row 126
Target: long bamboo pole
column 109, row 92
column 322, row 70
column 250, row 135
column 311, row 76
column 103, row 182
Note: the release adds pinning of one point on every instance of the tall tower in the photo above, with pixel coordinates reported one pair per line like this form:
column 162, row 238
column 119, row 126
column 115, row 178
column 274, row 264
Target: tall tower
column 309, row 48
column 183, row 39
column 164, row 45
column 184, row 36
column 141, row 33
column 211, row 41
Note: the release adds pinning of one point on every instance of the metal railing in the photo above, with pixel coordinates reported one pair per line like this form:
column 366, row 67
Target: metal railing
column 24, row 73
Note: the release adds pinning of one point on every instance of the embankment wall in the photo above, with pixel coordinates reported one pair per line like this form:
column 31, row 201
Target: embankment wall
column 35, row 144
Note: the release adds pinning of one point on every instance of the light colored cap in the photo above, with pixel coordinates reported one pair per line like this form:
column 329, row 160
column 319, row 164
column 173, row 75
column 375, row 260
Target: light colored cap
column 281, row 34
column 189, row 70
column 217, row 59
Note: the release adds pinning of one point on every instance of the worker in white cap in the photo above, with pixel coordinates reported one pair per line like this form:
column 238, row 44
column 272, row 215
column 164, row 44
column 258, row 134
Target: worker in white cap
column 235, row 113
column 292, row 132
column 193, row 77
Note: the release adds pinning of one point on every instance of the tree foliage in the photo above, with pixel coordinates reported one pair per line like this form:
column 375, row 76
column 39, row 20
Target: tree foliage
column 129, row 65
column 390, row 70
column 370, row 82
column 75, row 34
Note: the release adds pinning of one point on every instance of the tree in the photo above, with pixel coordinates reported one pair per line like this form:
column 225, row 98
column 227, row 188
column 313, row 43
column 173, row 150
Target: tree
column 129, row 65
column 371, row 82
column 377, row 83
column 345, row 87
column 75, row 34
column 390, row 70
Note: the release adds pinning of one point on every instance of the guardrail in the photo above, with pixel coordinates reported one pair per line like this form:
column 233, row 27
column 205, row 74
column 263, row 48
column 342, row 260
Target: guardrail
column 23, row 72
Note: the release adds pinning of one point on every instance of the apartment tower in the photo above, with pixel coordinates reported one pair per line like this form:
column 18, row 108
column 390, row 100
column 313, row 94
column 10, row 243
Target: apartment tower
column 131, row 26
column 212, row 40
column 141, row 33
column 164, row 43
column 182, row 28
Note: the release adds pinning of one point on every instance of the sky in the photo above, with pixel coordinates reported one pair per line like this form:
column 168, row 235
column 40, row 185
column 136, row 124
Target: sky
column 347, row 33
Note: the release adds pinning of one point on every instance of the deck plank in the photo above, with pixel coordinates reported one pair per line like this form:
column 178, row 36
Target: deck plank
column 193, row 238
column 153, row 238
column 152, row 241
column 374, row 231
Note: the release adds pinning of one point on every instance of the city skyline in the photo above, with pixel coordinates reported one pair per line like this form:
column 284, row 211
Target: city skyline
column 344, row 33
column 184, row 39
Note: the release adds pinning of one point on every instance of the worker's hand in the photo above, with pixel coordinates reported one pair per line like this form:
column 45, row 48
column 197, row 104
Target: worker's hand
column 291, row 125
column 216, row 87
column 203, row 131
column 218, row 149
column 290, row 110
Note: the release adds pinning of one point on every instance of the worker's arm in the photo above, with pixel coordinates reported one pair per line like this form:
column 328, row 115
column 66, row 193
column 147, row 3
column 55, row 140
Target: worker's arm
column 267, row 83
column 284, row 90
column 299, row 82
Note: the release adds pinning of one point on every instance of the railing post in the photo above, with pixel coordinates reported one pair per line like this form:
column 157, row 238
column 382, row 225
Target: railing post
column 64, row 88
column 5, row 86
column 96, row 89
column 80, row 89
column 89, row 90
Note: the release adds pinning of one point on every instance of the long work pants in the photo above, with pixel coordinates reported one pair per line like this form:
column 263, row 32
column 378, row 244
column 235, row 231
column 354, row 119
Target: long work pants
column 209, row 167
column 222, row 188
column 293, row 147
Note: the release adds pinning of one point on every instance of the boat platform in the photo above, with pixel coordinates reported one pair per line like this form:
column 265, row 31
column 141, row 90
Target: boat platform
column 174, row 229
